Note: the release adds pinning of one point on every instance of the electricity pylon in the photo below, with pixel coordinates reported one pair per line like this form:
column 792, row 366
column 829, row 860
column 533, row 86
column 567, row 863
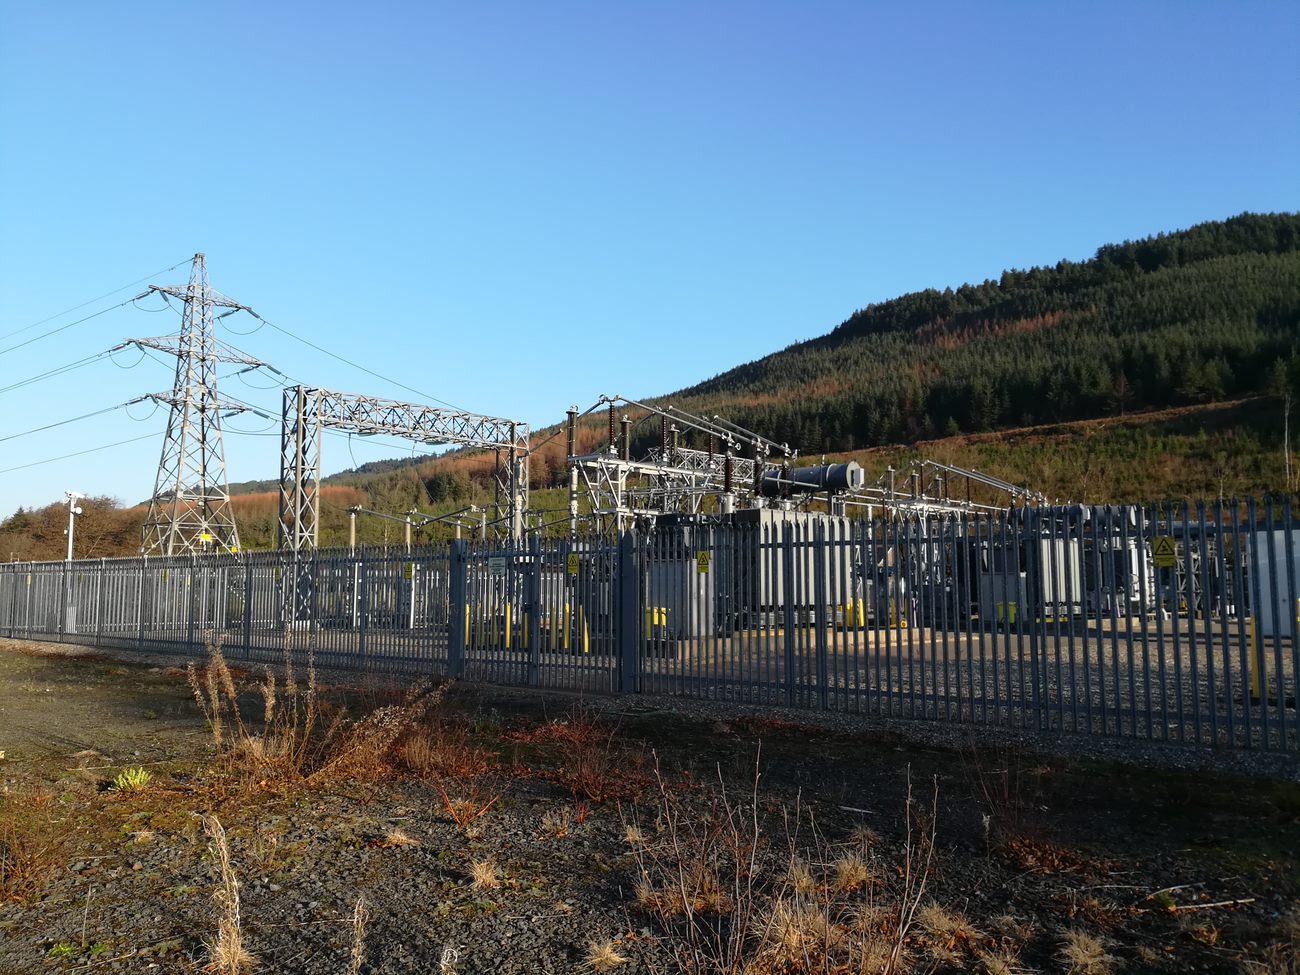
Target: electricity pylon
column 190, row 509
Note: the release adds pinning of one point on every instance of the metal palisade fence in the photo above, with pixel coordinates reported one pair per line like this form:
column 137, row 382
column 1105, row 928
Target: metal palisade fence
column 1163, row 623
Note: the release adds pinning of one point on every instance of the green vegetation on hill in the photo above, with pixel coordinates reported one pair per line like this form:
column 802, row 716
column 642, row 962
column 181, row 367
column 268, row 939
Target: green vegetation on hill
column 1192, row 317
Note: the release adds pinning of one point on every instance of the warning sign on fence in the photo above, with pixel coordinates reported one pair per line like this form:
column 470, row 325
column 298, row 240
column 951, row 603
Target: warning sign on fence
column 702, row 562
column 573, row 565
column 1163, row 552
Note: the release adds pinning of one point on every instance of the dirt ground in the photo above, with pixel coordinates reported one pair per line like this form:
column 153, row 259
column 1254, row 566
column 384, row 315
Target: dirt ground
column 1038, row 862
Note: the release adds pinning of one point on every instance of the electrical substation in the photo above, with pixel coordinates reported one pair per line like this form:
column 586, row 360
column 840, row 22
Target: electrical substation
column 696, row 556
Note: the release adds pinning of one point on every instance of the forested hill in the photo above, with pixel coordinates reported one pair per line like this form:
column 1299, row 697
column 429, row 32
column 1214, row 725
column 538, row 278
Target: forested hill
column 1190, row 317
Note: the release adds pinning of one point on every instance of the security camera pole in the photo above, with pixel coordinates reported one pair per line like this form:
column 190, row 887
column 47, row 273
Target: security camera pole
column 73, row 510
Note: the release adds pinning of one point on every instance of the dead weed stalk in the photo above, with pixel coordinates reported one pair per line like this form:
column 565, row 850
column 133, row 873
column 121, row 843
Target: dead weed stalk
column 295, row 743
column 227, row 954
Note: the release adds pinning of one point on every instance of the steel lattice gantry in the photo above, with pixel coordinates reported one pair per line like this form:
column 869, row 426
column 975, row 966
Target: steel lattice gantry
column 308, row 411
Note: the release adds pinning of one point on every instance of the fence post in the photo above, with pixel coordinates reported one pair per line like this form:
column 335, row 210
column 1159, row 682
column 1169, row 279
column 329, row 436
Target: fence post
column 65, row 608
column 459, row 608
column 364, row 588
column 1031, row 534
column 248, row 608
column 787, row 594
column 629, row 631
column 819, row 612
column 99, row 602
column 139, row 604
column 191, row 609
column 533, row 611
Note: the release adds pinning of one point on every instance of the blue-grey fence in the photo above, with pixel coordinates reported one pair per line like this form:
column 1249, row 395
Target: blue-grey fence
column 1171, row 623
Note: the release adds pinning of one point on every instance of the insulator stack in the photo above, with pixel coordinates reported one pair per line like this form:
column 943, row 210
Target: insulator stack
column 613, row 430
column 573, row 431
column 726, row 471
column 627, row 438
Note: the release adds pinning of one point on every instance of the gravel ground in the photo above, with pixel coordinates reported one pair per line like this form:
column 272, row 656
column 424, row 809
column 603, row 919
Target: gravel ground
column 132, row 876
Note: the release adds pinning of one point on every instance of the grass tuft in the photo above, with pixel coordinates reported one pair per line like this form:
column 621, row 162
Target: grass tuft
column 603, row 956
column 484, row 875
column 1084, row 954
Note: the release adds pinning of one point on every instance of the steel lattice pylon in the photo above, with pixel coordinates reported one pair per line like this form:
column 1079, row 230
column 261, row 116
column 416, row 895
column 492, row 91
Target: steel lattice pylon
column 190, row 508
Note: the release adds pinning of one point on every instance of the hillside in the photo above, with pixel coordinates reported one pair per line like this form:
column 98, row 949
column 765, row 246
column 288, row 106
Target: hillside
column 1179, row 321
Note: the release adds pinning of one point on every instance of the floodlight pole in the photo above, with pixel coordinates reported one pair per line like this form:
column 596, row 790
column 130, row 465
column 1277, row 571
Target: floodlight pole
column 73, row 510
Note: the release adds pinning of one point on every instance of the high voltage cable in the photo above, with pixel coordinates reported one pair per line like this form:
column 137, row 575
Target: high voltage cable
column 354, row 365
column 107, row 294
column 61, row 328
column 90, row 450
column 58, row 370
column 84, row 416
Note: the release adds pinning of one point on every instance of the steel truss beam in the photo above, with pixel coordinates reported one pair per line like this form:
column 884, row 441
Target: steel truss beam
column 308, row 411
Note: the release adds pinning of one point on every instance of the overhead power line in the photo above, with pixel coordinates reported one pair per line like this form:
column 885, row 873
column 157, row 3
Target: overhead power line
column 348, row 362
column 62, row 328
column 107, row 294
column 75, row 419
column 78, row 453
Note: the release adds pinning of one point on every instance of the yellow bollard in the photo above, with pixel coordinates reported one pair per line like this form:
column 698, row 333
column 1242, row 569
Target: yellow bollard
column 1256, row 660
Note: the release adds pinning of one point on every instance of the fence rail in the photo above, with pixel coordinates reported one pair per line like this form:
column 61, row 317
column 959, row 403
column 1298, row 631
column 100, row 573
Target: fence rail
column 1164, row 623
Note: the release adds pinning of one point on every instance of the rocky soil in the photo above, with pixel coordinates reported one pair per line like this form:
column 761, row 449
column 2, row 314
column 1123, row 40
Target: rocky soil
column 608, row 824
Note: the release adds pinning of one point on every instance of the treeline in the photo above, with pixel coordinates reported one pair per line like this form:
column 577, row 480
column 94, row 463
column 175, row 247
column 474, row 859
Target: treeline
column 1191, row 317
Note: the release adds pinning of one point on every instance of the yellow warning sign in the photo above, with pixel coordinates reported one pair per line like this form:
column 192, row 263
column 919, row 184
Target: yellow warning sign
column 573, row 565
column 1163, row 552
column 408, row 571
column 702, row 562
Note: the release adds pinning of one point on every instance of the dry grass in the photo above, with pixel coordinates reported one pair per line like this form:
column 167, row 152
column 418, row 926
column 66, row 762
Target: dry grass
column 27, row 859
column 729, row 901
column 360, row 917
column 467, row 802
column 484, row 875
column 852, row 873
column 632, row 835
column 590, row 760
column 300, row 739
column 397, row 838
column 556, row 823
column 1084, row 954
column 1282, row 956
column 227, row 954
column 603, row 956
column 444, row 750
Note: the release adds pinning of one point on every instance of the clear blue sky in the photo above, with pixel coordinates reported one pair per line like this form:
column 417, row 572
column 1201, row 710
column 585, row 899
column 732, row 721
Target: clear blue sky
column 518, row 206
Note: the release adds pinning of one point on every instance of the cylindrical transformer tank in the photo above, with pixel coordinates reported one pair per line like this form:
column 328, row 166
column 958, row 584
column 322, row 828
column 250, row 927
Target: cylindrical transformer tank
column 804, row 480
